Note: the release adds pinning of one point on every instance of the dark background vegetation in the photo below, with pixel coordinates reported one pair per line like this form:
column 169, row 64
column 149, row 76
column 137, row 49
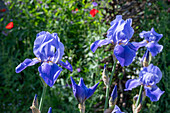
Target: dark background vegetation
column 77, row 31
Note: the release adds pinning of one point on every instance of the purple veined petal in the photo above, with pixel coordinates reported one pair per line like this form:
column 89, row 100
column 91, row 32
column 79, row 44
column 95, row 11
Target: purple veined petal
column 139, row 44
column 118, row 18
column 117, row 110
column 156, row 71
column 154, row 93
column 99, row 43
column 66, row 65
column 154, row 48
column 59, row 53
column 49, row 72
column 41, row 33
column 157, row 36
column 114, row 93
column 27, row 62
column 50, row 110
column 111, row 34
column 91, row 90
column 125, row 54
column 128, row 30
column 132, row 83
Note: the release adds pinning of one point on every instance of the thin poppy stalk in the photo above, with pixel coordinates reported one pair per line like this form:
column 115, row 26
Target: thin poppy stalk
column 107, row 86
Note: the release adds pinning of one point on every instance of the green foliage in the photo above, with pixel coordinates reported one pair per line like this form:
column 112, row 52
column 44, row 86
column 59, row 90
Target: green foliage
column 76, row 31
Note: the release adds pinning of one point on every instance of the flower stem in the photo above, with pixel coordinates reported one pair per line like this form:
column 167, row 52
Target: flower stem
column 82, row 107
column 42, row 97
column 107, row 86
column 139, row 98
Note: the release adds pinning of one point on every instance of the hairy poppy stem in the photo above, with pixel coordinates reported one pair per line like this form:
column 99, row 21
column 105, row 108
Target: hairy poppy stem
column 107, row 86
column 42, row 97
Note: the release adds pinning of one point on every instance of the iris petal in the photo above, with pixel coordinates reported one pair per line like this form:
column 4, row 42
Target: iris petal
column 125, row 54
column 132, row 83
column 158, row 36
column 154, row 48
column 117, row 110
column 49, row 72
column 50, row 110
column 154, row 93
column 91, row 90
column 66, row 65
column 27, row 62
column 99, row 43
column 114, row 93
column 139, row 44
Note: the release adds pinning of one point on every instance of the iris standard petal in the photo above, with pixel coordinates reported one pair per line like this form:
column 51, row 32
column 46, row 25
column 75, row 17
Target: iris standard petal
column 91, row 91
column 154, row 48
column 99, row 43
column 154, row 93
column 125, row 54
column 27, row 62
column 66, row 65
column 49, row 72
column 117, row 110
column 50, row 110
column 114, row 93
column 157, row 36
column 132, row 83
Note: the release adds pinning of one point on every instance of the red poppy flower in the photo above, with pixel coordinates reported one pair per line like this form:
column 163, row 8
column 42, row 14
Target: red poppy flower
column 2, row 10
column 93, row 12
column 10, row 25
column 76, row 9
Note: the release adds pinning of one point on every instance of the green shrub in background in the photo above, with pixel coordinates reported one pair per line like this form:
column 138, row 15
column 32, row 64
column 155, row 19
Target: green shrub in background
column 77, row 30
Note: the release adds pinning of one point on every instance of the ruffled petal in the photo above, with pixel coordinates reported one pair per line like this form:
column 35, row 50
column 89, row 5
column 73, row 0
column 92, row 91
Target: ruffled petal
column 66, row 65
column 132, row 83
column 117, row 110
column 27, row 62
column 154, row 93
column 154, row 48
column 125, row 54
column 49, row 72
column 157, row 36
column 99, row 43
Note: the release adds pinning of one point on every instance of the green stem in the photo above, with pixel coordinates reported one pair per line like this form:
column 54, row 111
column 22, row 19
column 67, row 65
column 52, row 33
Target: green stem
column 42, row 97
column 139, row 98
column 107, row 86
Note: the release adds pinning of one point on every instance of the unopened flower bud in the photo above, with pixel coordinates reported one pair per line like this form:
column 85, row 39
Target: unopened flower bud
column 146, row 59
column 113, row 98
column 105, row 76
column 34, row 106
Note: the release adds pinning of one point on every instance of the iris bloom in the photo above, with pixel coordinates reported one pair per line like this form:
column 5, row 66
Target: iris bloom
column 81, row 92
column 48, row 51
column 151, row 39
column 117, row 110
column 148, row 77
column 119, row 35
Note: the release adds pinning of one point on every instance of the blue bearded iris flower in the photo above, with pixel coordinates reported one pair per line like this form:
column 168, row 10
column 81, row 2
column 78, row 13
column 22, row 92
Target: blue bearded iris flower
column 81, row 92
column 48, row 51
column 150, row 41
column 117, row 110
column 148, row 77
column 119, row 34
